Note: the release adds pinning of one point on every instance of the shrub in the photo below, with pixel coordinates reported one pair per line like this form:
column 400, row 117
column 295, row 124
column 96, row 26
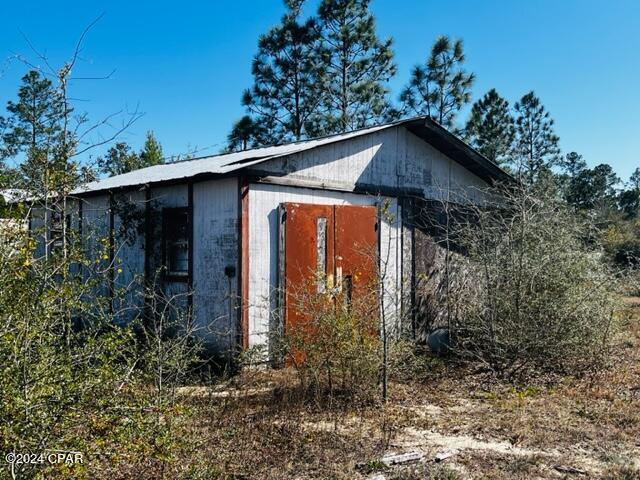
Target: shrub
column 621, row 242
column 70, row 378
column 529, row 292
column 335, row 344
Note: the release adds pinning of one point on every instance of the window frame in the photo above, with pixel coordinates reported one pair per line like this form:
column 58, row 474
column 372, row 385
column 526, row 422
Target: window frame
column 169, row 213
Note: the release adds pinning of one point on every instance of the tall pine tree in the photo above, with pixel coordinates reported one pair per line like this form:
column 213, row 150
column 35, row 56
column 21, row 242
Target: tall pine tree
column 358, row 67
column 440, row 87
column 491, row 128
column 35, row 128
column 285, row 97
column 121, row 159
column 536, row 145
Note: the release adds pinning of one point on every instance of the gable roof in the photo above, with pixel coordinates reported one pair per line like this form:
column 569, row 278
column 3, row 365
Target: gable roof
column 224, row 164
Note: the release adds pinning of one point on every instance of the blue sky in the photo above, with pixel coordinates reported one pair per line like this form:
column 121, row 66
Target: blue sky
column 185, row 64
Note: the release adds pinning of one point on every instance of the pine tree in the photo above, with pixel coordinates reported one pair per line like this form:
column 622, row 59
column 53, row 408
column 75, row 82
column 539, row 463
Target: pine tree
column 536, row 145
column 634, row 179
column 573, row 164
column 118, row 160
column 358, row 67
column 490, row 128
column 151, row 153
column 34, row 128
column 121, row 159
column 245, row 133
column 287, row 75
column 592, row 187
column 441, row 87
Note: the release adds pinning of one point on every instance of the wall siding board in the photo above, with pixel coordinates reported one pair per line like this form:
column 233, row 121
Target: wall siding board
column 128, row 280
column 215, row 247
column 166, row 197
column 95, row 234
column 393, row 158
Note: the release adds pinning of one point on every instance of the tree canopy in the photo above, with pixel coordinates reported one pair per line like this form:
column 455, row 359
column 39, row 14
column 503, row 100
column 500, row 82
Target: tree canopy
column 440, row 87
column 490, row 128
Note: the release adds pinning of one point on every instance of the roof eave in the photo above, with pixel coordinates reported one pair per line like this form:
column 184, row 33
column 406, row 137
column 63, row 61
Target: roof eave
column 452, row 146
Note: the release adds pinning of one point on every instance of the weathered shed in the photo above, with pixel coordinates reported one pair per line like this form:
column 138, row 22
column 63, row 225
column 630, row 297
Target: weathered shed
column 220, row 226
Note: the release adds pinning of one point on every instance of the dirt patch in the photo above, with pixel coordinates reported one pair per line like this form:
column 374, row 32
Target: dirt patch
column 463, row 422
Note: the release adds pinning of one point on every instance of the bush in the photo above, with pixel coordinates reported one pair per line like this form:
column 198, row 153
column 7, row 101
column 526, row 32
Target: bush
column 528, row 292
column 621, row 242
column 71, row 380
column 335, row 345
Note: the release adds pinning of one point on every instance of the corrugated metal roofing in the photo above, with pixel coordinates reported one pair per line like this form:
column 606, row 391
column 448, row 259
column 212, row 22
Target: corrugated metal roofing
column 219, row 164
column 423, row 127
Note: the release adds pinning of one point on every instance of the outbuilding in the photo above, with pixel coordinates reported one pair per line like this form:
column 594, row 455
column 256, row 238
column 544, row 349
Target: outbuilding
column 230, row 233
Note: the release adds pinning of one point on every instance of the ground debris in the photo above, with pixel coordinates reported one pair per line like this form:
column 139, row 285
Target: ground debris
column 570, row 470
column 441, row 456
column 377, row 476
column 400, row 458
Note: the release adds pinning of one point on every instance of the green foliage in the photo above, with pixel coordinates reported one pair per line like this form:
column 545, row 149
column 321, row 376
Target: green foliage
column 118, row 160
column 334, row 345
column 70, row 380
column 151, row 153
column 322, row 75
column 33, row 124
column 629, row 199
column 490, row 128
column 358, row 67
column 536, row 146
column 529, row 293
column 61, row 359
column 441, row 87
column 621, row 241
column 246, row 133
column 588, row 188
column 288, row 74
column 37, row 126
column 121, row 159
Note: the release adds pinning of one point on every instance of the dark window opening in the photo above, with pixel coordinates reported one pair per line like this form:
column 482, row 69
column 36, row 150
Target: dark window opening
column 59, row 230
column 175, row 237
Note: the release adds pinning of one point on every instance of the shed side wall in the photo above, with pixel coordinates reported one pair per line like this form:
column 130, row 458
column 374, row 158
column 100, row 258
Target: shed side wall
column 215, row 248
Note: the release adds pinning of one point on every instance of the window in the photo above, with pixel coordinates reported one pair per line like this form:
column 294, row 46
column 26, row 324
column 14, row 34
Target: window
column 175, row 236
column 57, row 230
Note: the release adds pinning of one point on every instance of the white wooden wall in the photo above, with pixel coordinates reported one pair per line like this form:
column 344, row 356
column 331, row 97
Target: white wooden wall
column 215, row 246
column 392, row 158
column 128, row 277
column 95, row 234
column 263, row 250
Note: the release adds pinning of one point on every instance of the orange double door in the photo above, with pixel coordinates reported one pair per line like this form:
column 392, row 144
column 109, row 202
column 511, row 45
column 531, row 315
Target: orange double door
column 326, row 249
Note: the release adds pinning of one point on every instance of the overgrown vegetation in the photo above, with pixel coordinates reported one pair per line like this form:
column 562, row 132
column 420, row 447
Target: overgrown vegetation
column 527, row 290
column 334, row 344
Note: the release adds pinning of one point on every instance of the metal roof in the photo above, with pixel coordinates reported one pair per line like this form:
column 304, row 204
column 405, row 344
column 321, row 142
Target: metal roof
column 230, row 162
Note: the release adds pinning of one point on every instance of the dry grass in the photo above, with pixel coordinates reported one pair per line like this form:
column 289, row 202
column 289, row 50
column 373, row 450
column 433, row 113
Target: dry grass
column 587, row 427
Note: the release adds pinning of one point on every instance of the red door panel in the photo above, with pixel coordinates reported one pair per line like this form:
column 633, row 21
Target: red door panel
column 356, row 250
column 304, row 249
column 335, row 243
